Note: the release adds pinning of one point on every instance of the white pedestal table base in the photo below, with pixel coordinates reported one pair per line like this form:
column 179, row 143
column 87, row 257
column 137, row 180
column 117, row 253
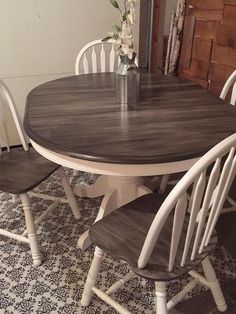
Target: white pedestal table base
column 117, row 191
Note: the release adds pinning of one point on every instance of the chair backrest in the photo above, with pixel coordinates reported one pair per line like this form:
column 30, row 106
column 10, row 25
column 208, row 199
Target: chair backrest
column 208, row 183
column 6, row 100
column 230, row 82
column 96, row 56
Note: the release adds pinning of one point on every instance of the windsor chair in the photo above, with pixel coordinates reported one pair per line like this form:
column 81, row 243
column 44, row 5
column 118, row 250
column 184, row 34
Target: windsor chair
column 163, row 237
column 21, row 170
column 96, row 56
column 230, row 83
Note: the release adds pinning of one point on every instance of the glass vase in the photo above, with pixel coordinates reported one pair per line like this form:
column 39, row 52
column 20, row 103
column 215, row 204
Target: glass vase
column 127, row 81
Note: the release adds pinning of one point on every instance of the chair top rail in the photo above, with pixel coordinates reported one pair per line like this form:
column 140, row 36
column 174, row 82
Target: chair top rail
column 211, row 187
column 231, row 80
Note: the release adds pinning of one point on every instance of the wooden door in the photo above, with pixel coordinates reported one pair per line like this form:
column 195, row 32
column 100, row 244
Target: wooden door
column 158, row 19
column 208, row 54
column 144, row 34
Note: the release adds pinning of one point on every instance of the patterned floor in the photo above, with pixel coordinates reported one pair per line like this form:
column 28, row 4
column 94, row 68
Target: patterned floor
column 56, row 286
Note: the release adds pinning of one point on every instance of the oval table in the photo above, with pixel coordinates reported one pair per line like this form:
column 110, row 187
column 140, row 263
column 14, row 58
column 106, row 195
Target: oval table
column 76, row 122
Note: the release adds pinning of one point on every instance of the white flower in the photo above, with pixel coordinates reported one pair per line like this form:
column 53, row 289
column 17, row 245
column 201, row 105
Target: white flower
column 118, row 41
column 125, row 31
column 126, row 50
column 112, row 40
column 131, row 16
column 122, row 36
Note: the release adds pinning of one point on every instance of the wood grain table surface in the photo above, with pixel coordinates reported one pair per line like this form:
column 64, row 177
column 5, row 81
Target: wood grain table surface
column 79, row 116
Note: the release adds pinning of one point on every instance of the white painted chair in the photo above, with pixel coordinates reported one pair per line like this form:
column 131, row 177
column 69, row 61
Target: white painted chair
column 97, row 56
column 164, row 237
column 230, row 83
column 21, row 170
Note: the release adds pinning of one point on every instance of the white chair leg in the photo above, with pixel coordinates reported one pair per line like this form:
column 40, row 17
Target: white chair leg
column 214, row 285
column 32, row 236
column 92, row 277
column 161, row 292
column 69, row 194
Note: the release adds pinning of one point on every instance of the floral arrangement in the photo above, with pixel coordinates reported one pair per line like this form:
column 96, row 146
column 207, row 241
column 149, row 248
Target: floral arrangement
column 122, row 35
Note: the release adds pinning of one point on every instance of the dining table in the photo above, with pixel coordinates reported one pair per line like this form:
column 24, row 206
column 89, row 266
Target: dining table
column 77, row 122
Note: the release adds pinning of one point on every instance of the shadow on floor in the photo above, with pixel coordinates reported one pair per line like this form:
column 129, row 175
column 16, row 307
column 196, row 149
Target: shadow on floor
column 204, row 303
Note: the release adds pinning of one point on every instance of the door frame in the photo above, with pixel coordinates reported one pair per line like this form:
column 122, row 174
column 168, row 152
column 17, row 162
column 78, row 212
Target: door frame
column 158, row 22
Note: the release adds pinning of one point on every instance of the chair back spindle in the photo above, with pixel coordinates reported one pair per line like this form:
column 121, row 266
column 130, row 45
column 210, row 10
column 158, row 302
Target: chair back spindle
column 4, row 139
column 6, row 100
column 211, row 187
column 225, row 182
column 96, row 56
column 180, row 211
column 197, row 198
column 208, row 182
column 112, row 59
column 94, row 61
column 103, row 59
column 230, row 82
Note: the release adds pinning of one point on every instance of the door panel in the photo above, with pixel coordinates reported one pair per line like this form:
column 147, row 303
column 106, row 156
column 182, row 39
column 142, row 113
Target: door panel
column 201, row 49
column 211, row 57
column 206, row 29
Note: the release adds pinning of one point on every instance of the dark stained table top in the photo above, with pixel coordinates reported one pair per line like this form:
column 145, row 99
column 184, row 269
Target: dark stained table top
column 79, row 116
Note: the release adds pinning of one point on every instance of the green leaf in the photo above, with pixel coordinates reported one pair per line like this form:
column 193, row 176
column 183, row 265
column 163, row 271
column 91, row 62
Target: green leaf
column 106, row 38
column 114, row 3
column 116, row 28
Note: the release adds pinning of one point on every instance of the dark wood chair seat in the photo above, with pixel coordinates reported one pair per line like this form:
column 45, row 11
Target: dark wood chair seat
column 122, row 234
column 163, row 237
column 21, row 171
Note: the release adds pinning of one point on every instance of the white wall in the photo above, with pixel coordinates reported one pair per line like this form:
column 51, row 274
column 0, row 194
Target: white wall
column 41, row 38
